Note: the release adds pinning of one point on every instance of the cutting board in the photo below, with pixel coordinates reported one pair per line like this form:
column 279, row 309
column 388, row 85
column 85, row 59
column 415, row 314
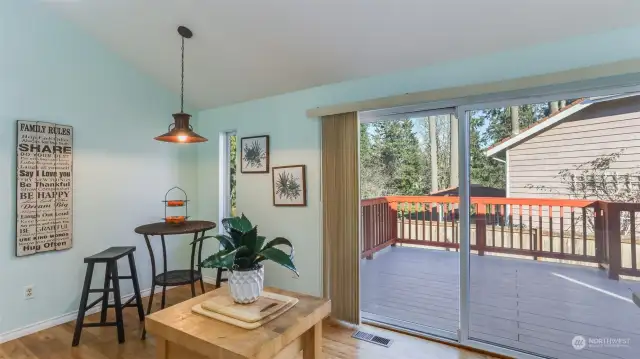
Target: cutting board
column 239, row 323
column 267, row 304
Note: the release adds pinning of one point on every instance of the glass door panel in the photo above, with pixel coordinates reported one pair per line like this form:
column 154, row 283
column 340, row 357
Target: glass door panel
column 553, row 258
column 410, row 237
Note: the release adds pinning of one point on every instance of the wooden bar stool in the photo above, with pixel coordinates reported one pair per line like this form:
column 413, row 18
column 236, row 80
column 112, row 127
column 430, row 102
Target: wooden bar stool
column 110, row 258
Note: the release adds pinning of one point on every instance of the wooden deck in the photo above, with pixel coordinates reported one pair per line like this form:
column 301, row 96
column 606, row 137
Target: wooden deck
column 524, row 304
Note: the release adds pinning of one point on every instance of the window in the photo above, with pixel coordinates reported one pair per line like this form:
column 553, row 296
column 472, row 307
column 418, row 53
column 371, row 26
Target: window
column 228, row 174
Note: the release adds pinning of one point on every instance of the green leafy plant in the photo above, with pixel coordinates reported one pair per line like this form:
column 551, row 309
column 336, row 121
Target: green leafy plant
column 287, row 186
column 254, row 154
column 244, row 249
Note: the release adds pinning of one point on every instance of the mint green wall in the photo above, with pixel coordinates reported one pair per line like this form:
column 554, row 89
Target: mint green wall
column 295, row 139
column 50, row 71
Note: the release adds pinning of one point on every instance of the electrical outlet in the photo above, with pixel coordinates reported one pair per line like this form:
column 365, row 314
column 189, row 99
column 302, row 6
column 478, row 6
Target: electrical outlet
column 28, row 292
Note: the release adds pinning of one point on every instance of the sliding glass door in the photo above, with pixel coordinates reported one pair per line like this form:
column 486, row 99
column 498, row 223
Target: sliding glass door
column 552, row 196
column 410, row 260
column 506, row 226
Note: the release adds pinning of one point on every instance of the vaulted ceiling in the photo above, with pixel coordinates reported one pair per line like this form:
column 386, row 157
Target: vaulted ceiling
column 243, row 50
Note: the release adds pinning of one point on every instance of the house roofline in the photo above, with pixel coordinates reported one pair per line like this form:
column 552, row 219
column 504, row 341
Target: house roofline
column 556, row 117
column 538, row 126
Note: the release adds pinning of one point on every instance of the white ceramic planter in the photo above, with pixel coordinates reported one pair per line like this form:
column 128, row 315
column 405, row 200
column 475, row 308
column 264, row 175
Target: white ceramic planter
column 246, row 286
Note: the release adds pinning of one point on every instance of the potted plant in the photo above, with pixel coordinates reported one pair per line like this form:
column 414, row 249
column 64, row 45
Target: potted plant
column 242, row 253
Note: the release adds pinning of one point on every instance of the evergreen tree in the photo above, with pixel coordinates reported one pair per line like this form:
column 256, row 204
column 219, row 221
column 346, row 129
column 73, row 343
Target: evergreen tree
column 365, row 143
column 412, row 167
column 443, row 150
column 443, row 132
column 371, row 179
column 499, row 121
column 487, row 171
column 484, row 171
column 400, row 158
column 395, row 160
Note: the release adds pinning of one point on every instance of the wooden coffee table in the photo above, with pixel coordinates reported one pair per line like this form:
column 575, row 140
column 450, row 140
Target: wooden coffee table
column 180, row 333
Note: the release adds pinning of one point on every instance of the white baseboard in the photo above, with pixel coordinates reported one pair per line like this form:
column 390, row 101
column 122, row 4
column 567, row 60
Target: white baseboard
column 71, row 316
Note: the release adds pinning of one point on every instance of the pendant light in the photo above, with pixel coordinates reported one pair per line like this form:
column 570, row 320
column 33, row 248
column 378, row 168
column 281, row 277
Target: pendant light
column 180, row 131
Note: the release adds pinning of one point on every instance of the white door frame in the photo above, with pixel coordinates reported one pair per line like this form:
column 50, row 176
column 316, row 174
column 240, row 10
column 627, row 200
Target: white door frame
column 464, row 220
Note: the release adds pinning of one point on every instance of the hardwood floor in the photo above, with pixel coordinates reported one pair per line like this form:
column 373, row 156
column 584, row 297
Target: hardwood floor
column 102, row 343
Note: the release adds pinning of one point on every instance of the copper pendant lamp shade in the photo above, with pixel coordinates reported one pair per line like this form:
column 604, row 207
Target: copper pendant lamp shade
column 180, row 131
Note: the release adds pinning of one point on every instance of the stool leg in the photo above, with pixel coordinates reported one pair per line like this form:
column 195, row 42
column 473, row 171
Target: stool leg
column 202, row 284
column 105, row 296
column 219, row 278
column 136, row 286
column 83, row 305
column 118, row 302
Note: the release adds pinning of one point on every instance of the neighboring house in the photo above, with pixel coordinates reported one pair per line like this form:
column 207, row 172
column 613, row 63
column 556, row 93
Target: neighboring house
column 581, row 132
column 475, row 189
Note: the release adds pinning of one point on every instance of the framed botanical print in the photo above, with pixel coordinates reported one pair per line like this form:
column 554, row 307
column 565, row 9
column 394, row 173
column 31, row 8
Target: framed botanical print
column 254, row 154
column 289, row 185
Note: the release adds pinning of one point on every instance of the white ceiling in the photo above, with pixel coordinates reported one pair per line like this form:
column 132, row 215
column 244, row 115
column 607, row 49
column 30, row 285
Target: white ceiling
column 244, row 50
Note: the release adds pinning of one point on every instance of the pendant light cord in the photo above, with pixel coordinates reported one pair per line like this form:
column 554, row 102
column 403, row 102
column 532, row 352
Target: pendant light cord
column 182, row 80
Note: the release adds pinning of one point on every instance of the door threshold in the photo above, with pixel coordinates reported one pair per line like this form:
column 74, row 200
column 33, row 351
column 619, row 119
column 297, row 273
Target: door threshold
column 371, row 318
column 426, row 336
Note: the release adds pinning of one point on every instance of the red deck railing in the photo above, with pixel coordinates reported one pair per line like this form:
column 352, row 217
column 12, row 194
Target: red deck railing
column 580, row 231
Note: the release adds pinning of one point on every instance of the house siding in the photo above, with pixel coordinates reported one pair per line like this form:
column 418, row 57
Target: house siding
column 601, row 129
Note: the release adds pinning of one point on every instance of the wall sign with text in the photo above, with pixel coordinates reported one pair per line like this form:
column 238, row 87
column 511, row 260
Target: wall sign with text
column 44, row 187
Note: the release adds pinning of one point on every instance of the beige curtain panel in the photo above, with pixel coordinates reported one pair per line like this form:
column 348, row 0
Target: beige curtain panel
column 341, row 211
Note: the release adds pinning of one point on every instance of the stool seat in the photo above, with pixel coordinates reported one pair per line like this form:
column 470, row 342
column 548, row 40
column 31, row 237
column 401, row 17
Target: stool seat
column 110, row 254
column 177, row 277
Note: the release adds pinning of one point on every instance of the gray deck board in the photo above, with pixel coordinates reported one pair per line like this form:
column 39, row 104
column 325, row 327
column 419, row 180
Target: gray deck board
column 516, row 303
